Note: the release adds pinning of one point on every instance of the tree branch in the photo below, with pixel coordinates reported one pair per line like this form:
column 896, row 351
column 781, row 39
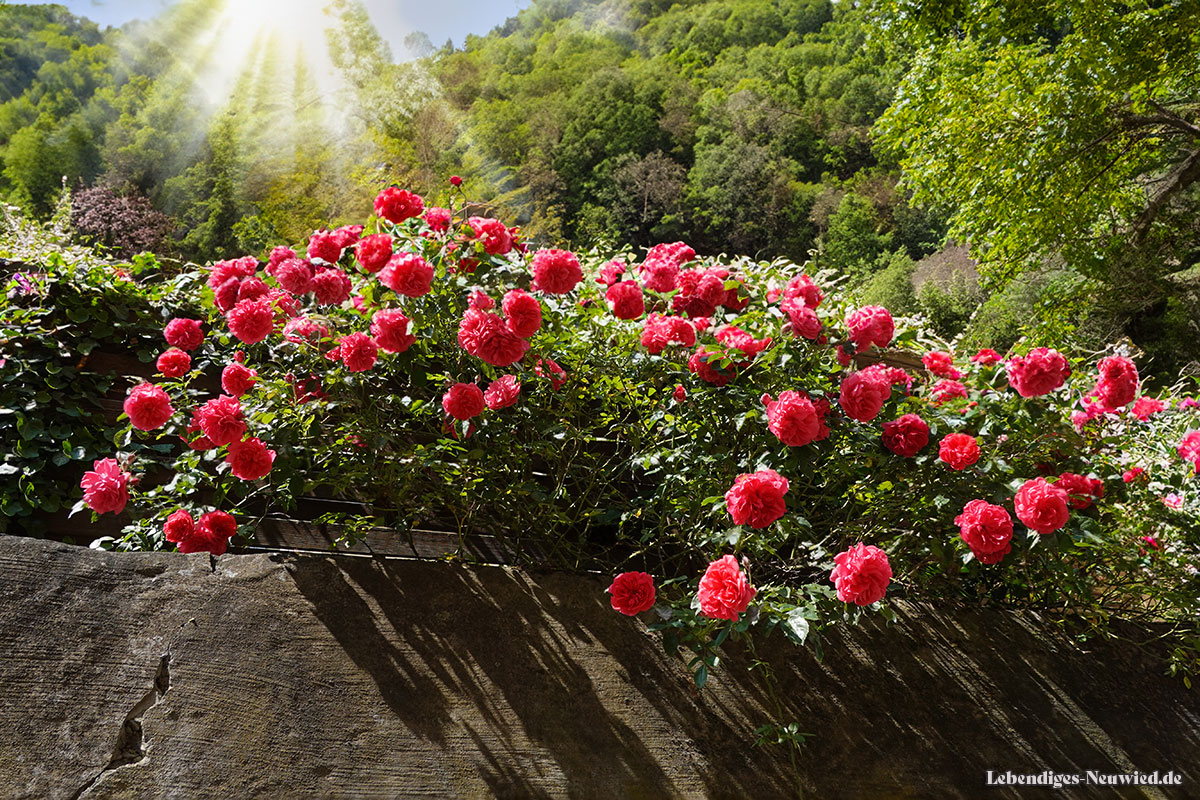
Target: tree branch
column 1187, row 173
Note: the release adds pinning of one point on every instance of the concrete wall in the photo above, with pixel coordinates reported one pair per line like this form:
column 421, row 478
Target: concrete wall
column 163, row 675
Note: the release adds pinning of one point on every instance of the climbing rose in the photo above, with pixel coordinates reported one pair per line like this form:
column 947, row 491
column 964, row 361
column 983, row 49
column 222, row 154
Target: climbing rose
column 250, row 459
column 863, row 395
column 987, row 529
column 660, row 276
column 1189, row 449
column 390, row 328
column 987, row 356
column 940, row 363
column 756, row 498
column 735, row 337
column 348, row 235
column 221, row 420
column 358, row 352
column 959, row 450
column 611, row 272
column 237, row 379
column 659, row 331
column 871, row 325
column 174, row 363
column 325, row 245
column 724, row 591
column 632, row 593
column 148, row 407
column 252, row 289
column 680, row 394
column 304, row 330
column 805, row 321
column 251, row 321
column 1145, row 407
column 502, row 392
column 1040, row 372
column 438, row 219
column 331, row 287
column 373, row 252
column 522, row 313
column 408, row 274
column 861, row 574
column 700, row 292
column 1131, row 475
column 1041, row 506
column 549, row 368
column 626, row 300
column 104, row 487
column 211, row 535
column 803, row 289
column 556, row 271
column 463, row 401
column 485, row 335
column 906, row 436
column 1080, row 489
column 236, row 269
column 295, row 276
column 947, row 389
column 792, row 418
column 1118, row 382
column 706, row 365
column 179, row 527
column 1174, row 500
column 396, row 205
column 481, row 301
column 186, row 334
column 492, row 233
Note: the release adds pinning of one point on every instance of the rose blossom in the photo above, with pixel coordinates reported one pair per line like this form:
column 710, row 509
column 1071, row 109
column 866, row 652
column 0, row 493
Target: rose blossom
column 804, row 320
column 871, row 325
column 278, row 256
column 659, row 331
column 861, row 574
column 236, row 269
column 251, row 321
column 680, row 394
column 492, row 233
column 940, row 363
column 390, row 328
column 485, row 335
column 732, row 336
column 947, row 389
column 438, row 219
column 237, row 379
column 463, row 401
column 1040, row 372
column 987, row 356
column 632, row 593
column 522, row 313
column 863, row 394
column 1041, row 506
column 331, row 287
column 211, row 535
column 481, row 301
column 408, row 274
column 148, row 407
column 756, row 498
column 1174, row 500
column 295, row 276
column 611, row 272
column 1189, row 449
column 303, row 330
column 959, row 450
column 373, row 252
column 186, row 334
column 626, row 300
column 357, row 351
column 1132, row 474
column 792, row 418
column 987, row 529
column 724, row 591
column 1080, row 489
column 104, row 487
column 174, row 363
column 221, row 420
column 250, row 459
column 802, row 288
column 502, row 392
column 1145, row 407
column 549, row 368
column 706, row 365
column 396, row 205
column 1118, row 382
column 324, row 245
column 555, row 271
column 906, row 436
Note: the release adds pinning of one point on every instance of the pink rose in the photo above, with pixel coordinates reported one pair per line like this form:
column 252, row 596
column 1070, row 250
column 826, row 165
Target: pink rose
column 632, row 593
column 756, row 498
column 104, row 487
column 861, row 574
column 1041, row 506
column 987, row 529
column 724, row 591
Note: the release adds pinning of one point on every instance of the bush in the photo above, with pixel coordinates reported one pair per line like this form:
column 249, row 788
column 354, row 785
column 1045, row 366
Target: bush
column 123, row 224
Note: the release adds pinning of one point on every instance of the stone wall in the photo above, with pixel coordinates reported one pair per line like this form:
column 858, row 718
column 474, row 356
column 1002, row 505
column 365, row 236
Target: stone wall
column 164, row 675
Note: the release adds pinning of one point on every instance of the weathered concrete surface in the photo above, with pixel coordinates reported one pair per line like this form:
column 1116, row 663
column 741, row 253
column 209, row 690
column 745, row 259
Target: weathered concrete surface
column 292, row 676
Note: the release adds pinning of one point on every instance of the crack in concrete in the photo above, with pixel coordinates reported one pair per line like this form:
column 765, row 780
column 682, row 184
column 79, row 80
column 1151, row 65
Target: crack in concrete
column 129, row 749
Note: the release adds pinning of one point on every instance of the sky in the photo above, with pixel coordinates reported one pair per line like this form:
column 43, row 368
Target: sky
column 442, row 20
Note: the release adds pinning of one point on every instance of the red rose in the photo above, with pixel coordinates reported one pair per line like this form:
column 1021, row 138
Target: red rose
column 237, row 379
column 947, row 389
column 660, row 276
column 148, row 407
column 502, row 392
column 1118, row 383
column 632, row 593
column 221, row 420
column 756, row 498
column 863, row 395
column 485, row 335
column 373, row 252
column 792, row 418
column 659, row 331
column 738, row 339
column 302, row 330
column 396, row 205
column 556, row 271
column 724, row 591
column 481, row 301
column 408, row 274
column 861, row 574
column 224, row 271
column 174, row 363
column 906, row 436
column 1131, row 475
column 549, row 368
column 455, row 180
column 959, row 450
column 358, row 352
column 940, row 363
column 348, row 235
column 278, row 256
column 104, row 487
column 438, row 219
column 987, row 530
column 390, row 328
column 626, row 300
column 804, row 320
column 803, row 289
column 186, row 334
column 522, row 313
column 987, row 356
column 331, row 287
column 680, row 394
column 1080, row 489
column 326, row 246
column 295, row 276
column 706, row 365
column 252, row 289
column 1189, row 449
column 871, row 325
column 251, row 321
column 611, row 272
column 1041, row 506
column 463, row 401
column 1145, row 407
column 1040, row 372
column 179, row 526
column 250, row 459
column 492, row 233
